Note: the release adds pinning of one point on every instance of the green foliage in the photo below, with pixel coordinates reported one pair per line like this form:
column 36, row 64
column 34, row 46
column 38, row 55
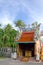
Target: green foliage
column 7, row 36
column 20, row 24
column 1, row 37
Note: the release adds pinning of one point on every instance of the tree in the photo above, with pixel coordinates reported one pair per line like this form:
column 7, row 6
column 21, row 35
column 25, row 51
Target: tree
column 6, row 35
column 9, row 34
column 36, row 28
column 0, row 25
column 1, row 36
column 20, row 24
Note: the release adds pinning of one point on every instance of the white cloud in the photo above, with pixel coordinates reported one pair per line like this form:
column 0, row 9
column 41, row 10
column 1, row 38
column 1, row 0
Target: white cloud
column 5, row 20
column 33, row 13
column 11, row 8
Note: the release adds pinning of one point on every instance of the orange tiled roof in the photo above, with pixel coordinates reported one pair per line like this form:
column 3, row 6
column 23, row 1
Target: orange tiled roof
column 27, row 37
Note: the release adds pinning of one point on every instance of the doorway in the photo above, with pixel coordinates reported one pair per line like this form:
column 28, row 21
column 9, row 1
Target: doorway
column 27, row 47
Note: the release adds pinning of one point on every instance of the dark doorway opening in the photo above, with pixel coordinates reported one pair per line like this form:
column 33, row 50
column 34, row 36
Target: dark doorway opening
column 28, row 47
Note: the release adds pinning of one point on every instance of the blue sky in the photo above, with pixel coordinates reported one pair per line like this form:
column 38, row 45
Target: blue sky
column 27, row 10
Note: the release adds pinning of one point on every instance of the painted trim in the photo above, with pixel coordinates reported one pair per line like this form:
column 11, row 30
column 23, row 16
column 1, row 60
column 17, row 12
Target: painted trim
column 26, row 42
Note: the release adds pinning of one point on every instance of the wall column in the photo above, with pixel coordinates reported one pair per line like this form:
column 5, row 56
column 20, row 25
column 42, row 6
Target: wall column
column 37, row 49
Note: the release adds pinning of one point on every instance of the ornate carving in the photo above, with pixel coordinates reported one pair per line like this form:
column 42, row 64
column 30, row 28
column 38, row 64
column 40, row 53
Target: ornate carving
column 18, row 36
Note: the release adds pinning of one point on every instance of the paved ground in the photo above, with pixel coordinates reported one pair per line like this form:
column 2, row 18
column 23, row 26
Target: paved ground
column 9, row 61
